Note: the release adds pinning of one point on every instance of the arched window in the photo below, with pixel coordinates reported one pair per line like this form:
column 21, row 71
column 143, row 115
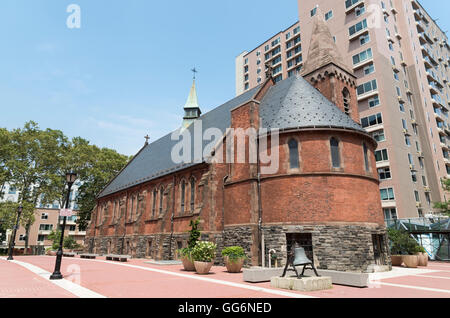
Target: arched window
column 346, row 98
column 293, row 154
column 366, row 157
column 155, row 198
column 335, row 156
column 192, row 194
column 183, row 195
column 161, row 199
column 131, row 208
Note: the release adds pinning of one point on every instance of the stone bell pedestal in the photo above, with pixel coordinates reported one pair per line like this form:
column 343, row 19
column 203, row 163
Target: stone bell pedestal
column 306, row 284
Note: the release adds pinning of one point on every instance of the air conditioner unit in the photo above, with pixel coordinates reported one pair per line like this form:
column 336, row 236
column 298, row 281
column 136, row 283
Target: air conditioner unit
column 427, row 189
column 418, row 204
column 412, row 167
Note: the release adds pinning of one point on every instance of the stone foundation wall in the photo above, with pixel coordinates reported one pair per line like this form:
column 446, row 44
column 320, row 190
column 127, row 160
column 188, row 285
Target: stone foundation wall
column 347, row 248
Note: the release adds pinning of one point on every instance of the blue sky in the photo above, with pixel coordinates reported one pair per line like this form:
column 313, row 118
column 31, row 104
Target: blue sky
column 126, row 72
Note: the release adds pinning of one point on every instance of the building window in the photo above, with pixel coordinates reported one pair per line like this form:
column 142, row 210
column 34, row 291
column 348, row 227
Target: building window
column 335, row 156
column 161, row 200
column 390, row 214
column 155, row 198
column 385, row 173
column 293, row 154
column 313, row 12
column 366, row 157
column 192, row 194
column 387, row 194
column 367, row 87
column 363, row 56
column 358, row 27
column 381, row 155
column 328, row 15
column 379, row 135
column 346, row 98
column 372, row 120
column 374, row 102
column 44, row 216
column 183, row 195
column 46, row 227
column 417, row 196
column 41, row 238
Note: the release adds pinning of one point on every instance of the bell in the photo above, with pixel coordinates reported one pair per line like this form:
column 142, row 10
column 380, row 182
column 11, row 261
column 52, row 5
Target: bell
column 300, row 257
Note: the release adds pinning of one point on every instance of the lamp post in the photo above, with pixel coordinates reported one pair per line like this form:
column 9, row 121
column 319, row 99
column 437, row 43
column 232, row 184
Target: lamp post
column 12, row 240
column 70, row 178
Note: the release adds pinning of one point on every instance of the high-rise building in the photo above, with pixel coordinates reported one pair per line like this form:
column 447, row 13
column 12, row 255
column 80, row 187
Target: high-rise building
column 400, row 58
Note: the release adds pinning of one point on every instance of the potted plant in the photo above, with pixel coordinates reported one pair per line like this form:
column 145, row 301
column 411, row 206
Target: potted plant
column 186, row 258
column 234, row 258
column 204, row 254
column 403, row 247
column 186, row 253
column 423, row 256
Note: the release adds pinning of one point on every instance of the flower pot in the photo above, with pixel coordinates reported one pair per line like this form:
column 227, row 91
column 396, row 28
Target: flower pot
column 51, row 253
column 397, row 260
column 234, row 266
column 188, row 264
column 411, row 261
column 203, row 268
column 423, row 259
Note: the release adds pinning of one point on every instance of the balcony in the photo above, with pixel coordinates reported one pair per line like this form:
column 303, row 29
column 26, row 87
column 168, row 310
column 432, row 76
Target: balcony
column 362, row 64
column 350, row 6
column 419, row 26
column 367, row 95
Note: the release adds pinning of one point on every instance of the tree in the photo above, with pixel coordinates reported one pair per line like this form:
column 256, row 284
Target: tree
column 103, row 165
column 5, row 154
column 444, row 206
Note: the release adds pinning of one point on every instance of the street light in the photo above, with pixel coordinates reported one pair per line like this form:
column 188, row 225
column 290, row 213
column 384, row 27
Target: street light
column 70, row 179
column 12, row 239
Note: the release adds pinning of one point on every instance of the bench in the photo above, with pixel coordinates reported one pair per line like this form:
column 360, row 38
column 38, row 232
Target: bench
column 67, row 254
column 118, row 258
column 88, row 256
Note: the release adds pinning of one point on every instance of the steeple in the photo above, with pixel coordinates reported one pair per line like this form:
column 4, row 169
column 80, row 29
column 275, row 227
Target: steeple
column 191, row 109
column 322, row 49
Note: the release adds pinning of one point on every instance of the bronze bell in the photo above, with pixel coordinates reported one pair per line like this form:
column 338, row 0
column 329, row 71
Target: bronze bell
column 300, row 257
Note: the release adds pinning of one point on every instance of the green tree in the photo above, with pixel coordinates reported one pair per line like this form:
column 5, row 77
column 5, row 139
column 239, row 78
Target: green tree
column 103, row 165
column 5, row 155
column 444, row 206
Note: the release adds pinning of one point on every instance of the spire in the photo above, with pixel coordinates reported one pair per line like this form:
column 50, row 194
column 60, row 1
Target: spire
column 191, row 109
column 192, row 101
column 322, row 49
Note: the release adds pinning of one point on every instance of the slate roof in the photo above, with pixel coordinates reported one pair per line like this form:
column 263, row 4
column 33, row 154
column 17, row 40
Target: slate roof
column 292, row 103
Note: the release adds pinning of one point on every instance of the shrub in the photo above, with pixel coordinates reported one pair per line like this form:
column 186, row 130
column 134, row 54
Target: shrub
column 402, row 243
column 186, row 253
column 204, row 251
column 234, row 253
column 194, row 234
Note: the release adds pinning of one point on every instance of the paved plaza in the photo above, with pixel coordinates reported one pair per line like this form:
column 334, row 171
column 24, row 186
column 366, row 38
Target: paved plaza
column 28, row 277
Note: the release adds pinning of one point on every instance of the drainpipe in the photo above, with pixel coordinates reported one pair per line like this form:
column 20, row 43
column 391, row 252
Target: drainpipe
column 172, row 218
column 223, row 205
column 261, row 235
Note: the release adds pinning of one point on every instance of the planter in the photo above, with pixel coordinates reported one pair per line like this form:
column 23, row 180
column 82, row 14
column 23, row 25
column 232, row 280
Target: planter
column 188, row 264
column 203, row 268
column 234, row 266
column 397, row 260
column 411, row 261
column 51, row 253
column 423, row 259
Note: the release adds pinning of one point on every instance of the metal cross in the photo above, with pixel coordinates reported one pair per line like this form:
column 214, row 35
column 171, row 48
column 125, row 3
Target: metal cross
column 147, row 138
column 194, row 70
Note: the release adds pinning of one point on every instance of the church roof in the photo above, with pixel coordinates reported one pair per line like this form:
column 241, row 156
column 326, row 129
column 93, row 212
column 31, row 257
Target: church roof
column 294, row 103
column 154, row 160
column 291, row 104
column 322, row 49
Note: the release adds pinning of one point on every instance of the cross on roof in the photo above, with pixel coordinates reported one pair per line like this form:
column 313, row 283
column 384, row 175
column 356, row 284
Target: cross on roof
column 147, row 138
column 194, row 70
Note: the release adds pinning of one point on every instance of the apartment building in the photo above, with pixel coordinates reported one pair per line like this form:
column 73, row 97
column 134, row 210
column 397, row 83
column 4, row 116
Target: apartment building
column 400, row 57
column 47, row 219
column 284, row 53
